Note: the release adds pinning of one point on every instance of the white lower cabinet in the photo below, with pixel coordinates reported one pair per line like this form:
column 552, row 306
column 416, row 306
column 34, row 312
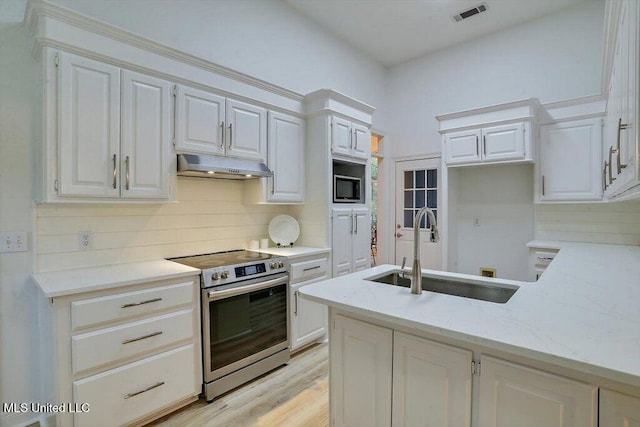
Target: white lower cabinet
column 431, row 383
column 511, row 393
column 382, row 377
column 618, row 410
column 360, row 373
column 308, row 319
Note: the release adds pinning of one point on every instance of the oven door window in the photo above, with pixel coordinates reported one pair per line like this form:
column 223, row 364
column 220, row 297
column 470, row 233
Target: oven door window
column 246, row 324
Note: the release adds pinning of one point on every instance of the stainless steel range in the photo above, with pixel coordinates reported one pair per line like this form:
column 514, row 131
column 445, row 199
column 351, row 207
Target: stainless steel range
column 244, row 316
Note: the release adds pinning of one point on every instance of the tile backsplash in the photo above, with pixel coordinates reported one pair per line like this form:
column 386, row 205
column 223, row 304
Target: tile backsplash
column 209, row 216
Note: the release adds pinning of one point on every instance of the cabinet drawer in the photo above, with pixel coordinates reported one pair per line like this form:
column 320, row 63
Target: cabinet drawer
column 132, row 391
column 121, row 342
column 127, row 305
column 308, row 270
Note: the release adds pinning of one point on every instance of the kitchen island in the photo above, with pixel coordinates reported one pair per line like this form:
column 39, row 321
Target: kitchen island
column 564, row 350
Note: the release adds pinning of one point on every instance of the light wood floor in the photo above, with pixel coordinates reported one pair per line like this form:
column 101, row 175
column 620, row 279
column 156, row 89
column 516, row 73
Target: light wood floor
column 294, row 395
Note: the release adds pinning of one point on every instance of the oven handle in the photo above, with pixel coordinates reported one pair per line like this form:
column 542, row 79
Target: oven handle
column 227, row 293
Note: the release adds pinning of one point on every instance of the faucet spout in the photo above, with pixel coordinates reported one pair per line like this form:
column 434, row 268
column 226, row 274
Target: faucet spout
column 416, row 273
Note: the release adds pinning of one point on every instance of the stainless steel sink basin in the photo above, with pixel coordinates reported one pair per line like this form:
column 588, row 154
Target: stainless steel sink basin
column 480, row 291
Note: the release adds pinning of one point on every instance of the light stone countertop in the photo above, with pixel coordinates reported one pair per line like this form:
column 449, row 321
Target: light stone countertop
column 69, row 282
column 582, row 314
column 294, row 251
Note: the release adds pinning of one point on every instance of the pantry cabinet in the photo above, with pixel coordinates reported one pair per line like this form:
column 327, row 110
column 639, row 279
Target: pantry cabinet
column 570, row 161
column 207, row 123
column 618, row 410
column 114, row 132
column 351, row 240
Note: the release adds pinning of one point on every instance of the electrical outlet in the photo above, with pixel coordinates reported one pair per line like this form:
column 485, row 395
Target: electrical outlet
column 13, row 241
column 85, row 240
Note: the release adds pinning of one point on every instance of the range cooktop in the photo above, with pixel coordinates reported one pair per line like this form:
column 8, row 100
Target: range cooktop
column 221, row 259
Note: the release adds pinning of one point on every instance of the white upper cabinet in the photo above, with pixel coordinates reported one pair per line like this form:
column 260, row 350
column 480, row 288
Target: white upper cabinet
column 286, row 158
column 350, row 139
column 145, row 136
column 246, row 133
column 211, row 124
column 199, row 121
column 111, row 146
column 494, row 134
column 570, row 161
column 503, row 142
column 89, row 127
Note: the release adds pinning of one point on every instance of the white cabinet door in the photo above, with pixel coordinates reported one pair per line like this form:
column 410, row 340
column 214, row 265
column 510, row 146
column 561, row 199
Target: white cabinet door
column 431, row 383
column 570, row 159
column 463, row 147
column 308, row 319
column 246, row 132
column 286, row 158
column 199, row 121
column 341, row 136
column 360, row 373
column 618, row 410
column 503, row 142
column 89, row 127
column 361, row 141
column 145, row 146
column 534, row 398
column 361, row 247
column 342, row 238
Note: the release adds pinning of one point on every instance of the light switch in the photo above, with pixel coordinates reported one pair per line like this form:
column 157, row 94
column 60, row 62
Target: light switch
column 13, row 241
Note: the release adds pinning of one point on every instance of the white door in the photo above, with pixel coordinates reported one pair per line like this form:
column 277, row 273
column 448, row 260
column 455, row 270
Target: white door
column 570, row 159
column 431, row 383
column 308, row 318
column 361, row 247
column 146, row 124
column 361, row 141
column 286, row 158
column 463, row 147
column 246, row 132
column 503, row 142
column 360, row 373
column 618, row 410
column 89, row 102
column 534, row 398
column 342, row 240
column 417, row 186
column 199, row 121
column 341, row 136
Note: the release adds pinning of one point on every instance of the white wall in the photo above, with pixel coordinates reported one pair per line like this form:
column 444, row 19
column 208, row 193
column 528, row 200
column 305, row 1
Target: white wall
column 19, row 127
column 263, row 38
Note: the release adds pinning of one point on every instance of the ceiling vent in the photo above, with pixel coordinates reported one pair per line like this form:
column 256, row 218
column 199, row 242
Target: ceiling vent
column 470, row 12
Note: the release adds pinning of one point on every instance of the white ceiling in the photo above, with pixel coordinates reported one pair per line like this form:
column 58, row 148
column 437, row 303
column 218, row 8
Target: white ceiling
column 394, row 31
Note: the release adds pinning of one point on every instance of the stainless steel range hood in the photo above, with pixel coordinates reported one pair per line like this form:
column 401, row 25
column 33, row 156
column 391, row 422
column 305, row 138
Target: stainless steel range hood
column 204, row 166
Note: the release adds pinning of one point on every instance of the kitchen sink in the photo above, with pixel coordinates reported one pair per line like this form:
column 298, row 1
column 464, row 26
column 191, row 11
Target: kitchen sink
column 480, row 291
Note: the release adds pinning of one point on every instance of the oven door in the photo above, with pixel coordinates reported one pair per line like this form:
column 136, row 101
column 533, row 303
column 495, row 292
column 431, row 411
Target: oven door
column 243, row 324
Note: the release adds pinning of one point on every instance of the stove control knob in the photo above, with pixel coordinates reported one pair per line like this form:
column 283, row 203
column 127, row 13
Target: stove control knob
column 215, row 276
column 273, row 265
column 280, row 264
column 224, row 275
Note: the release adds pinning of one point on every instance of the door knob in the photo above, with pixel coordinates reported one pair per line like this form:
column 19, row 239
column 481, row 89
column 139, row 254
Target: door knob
column 399, row 234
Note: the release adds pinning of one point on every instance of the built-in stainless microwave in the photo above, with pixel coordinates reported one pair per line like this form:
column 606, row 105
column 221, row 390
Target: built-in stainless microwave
column 346, row 189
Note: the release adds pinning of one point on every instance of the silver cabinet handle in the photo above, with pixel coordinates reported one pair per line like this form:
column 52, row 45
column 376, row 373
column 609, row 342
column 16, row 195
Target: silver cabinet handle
column 355, row 219
column 273, row 181
column 543, row 185
column 355, row 137
column 621, row 126
column 351, row 218
column 604, row 176
column 127, row 396
column 222, row 134
column 154, row 334
column 484, row 145
column 295, row 301
column 311, row 268
column 477, row 146
column 126, row 162
column 115, row 171
column 135, row 304
column 545, row 258
column 350, row 138
column 230, row 134
column 611, row 178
